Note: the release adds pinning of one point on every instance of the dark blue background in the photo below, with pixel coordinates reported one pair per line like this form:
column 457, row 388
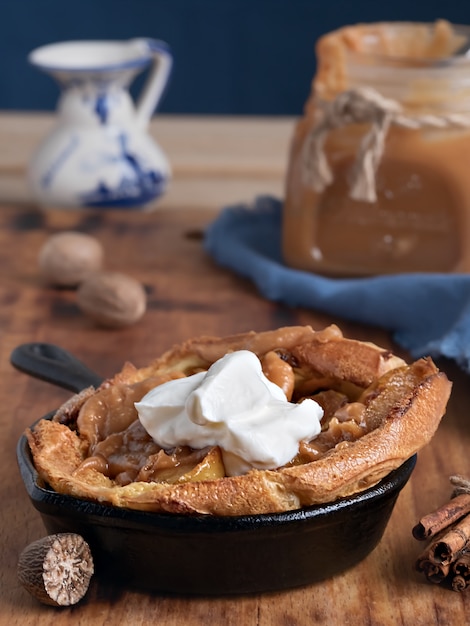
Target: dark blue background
column 231, row 56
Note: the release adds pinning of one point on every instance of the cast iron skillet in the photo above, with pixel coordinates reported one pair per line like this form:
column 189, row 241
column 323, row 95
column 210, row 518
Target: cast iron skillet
column 205, row 555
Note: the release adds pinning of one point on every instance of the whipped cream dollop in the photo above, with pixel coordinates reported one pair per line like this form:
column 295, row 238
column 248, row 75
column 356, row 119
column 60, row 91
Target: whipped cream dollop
column 234, row 406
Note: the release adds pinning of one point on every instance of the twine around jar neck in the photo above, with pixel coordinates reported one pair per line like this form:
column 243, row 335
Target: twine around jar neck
column 363, row 105
column 461, row 485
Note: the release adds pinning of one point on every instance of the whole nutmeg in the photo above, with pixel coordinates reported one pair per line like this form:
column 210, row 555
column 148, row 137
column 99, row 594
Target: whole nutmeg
column 67, row 258
column 112, row 299
column 57, row 569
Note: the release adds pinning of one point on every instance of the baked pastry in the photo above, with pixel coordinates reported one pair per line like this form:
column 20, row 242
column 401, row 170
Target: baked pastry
column 377, row 412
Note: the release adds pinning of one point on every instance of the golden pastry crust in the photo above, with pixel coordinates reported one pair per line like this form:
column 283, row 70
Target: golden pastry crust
column 400, row 409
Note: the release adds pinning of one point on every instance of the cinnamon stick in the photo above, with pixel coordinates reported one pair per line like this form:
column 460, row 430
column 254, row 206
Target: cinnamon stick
column 431, row 524
column 461, row 572
column 459, row 583
column 434, row 572
column 448, row 546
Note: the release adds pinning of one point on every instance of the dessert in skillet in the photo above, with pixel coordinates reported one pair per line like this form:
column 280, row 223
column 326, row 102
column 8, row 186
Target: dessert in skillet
column 247, row 424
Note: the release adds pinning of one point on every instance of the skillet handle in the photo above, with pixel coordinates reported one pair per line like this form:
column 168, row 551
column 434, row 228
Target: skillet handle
column 54, row 365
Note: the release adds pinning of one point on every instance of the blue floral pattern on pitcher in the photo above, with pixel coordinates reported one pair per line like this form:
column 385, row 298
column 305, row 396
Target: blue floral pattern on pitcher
column 138, row 187
column 99, row 154
column 128, row 193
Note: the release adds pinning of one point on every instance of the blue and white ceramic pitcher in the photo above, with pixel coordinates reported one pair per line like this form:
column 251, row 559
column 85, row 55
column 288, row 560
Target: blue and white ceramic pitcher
column 99, row 153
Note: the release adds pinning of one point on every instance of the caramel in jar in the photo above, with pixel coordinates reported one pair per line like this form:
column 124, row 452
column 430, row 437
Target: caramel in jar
column 384, row 186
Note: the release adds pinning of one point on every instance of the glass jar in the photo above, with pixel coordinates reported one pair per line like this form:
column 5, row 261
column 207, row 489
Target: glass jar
column 379, row 169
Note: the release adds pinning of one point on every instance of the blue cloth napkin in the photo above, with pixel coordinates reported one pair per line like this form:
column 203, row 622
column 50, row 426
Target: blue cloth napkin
column 427, row 314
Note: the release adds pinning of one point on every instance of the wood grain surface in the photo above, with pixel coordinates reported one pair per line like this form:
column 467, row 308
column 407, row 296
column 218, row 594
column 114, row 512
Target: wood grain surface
column 188, row 295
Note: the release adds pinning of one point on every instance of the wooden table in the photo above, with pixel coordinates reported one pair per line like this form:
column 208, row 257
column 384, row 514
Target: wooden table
column 216, row 161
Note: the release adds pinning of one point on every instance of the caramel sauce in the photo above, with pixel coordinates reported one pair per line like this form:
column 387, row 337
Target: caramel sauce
column 420, row 221
column 415, row 223
column 126, row 451
column 182, row 464
column 279, row 372
column 118, row 446
column 112, row 410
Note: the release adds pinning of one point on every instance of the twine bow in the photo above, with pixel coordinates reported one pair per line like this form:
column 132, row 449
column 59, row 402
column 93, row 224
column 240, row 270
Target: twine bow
column 363, row 105
column 461, row 485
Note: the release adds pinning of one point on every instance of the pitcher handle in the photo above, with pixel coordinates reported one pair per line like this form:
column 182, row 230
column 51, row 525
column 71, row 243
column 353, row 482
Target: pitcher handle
column 157, row 80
